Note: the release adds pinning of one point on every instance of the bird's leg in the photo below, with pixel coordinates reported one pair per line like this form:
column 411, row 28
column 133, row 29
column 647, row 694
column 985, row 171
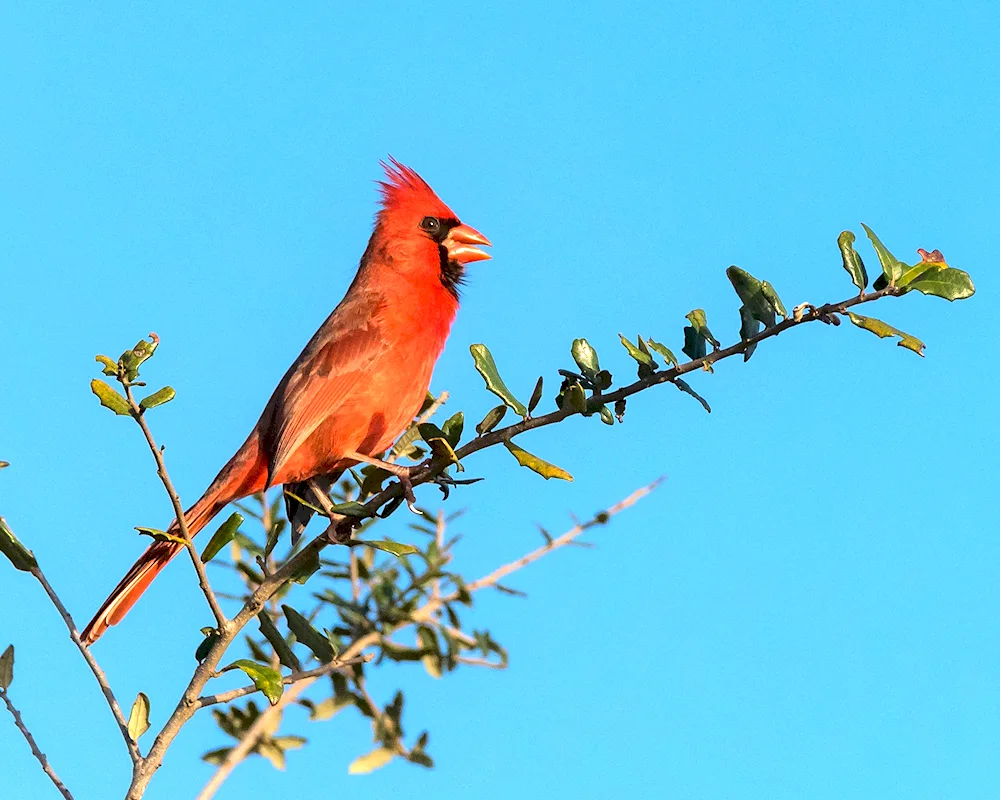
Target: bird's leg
column 402, row 473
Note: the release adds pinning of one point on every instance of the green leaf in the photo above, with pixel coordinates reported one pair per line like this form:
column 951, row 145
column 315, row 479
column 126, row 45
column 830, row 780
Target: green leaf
column 371, row 761
column 453, row 428
column 305, row 567
column 132, row 359
column 487, row 367
column 573, row 398
column 277, row 641
column 325, row 709
column 771, row 295
column 138, row 717
column 700, row 323
column 211, row 637
column 308, row 635
column 697, row 335
column 223, row 536
column 940, row 281
column 695, row 345
column 749, row 327
column 685, row 387
column 20, row 556
column 892, row 267
column 606, row 416
column 664, row 351
column 536, row 395
column 351, row 508
column 438, row 442
column 110, row 398
column 852, row 261
column 264, row 678
column 641, row 356
column 395, row 548
column 7, row 668
column 164, row 395
column 884, row 330
column 534, row 463
column 760, row 303
column 161, row 536
column 405, row 442
column 585, row 357
column 491, row 420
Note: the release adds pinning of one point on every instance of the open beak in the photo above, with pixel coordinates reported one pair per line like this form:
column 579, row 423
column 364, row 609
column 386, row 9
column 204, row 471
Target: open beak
column 460, row 245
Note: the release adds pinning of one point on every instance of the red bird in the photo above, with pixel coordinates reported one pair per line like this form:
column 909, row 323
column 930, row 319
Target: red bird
column 358, row 383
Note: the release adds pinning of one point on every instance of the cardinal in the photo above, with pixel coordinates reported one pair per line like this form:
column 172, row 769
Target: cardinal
column 359, row 381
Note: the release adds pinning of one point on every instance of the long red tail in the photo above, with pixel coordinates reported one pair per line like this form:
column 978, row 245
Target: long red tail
column 243, row 475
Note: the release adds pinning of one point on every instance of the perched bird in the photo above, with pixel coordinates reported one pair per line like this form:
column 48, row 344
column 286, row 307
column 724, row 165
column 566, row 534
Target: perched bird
column 359, row 381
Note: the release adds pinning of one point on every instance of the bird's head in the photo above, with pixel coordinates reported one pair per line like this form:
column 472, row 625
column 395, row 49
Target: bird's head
column 423, row 234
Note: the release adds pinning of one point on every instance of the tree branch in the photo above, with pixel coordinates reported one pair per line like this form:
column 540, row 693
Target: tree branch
column 340, row 529
column 38, row 754
column 175, row 501
column 102, row 679
column 424, row 613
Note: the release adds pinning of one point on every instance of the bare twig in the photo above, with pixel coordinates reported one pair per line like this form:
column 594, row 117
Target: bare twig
column 425, row 613
column 266, row 723
column 102, row 679
column 560, row 541
column 175, row 501
column 38, row 754
column 295, row 677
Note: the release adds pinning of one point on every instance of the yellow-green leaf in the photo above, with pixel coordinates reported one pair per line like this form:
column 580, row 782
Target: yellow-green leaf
column 395, row 548
column 491, row 420
column 7, row 668
column 585, row 357
column 222, row 537
column 534, row 463
column 892, row 267
column 20, row 556
column 884, row 330
column 110, row 367
column 158, row 398
column 664, row 351
column 110, row 398
column 138, row 718
column 487, row 367
column 161, row 536
column 264, row 678
column 371, row 761
column 852, row 261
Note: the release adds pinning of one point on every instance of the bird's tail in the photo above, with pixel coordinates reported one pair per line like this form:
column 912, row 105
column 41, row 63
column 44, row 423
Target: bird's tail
column 243, row 475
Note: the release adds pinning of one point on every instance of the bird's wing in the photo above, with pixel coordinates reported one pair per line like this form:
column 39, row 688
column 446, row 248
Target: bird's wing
column 317, row 385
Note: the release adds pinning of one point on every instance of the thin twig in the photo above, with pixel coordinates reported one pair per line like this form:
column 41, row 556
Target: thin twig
column 560, row 541
column 265, row 724
column 102, row 679
column 38, row 754
column 339, row 530
column 175, row 501
column 423, row 614
column 288, row 680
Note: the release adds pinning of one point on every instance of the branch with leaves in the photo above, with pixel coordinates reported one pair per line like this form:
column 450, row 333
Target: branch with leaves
column 378, row 600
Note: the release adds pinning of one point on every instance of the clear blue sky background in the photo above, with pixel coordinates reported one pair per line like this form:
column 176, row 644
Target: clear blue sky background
column 807, row 608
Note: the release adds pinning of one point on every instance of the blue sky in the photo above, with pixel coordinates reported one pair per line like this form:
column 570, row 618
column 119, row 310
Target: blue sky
column 806, row 608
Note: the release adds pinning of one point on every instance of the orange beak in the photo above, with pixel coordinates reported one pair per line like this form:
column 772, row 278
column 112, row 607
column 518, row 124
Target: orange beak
column 459, row 244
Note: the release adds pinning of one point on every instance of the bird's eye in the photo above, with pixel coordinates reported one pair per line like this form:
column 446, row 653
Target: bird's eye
column 430, row 224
